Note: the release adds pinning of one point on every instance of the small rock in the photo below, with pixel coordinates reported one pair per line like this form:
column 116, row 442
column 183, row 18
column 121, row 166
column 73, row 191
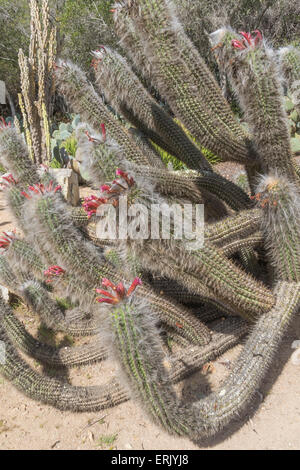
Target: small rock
column 68, row 180
column 296, row 357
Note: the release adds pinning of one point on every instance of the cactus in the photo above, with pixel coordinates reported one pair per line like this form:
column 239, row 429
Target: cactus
column 253, row 72
column 36, row 82
column 249, row 265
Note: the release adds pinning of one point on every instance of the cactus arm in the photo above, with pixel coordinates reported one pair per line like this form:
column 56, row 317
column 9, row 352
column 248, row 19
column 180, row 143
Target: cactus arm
column 181, row 183
column 73, row 84
column 186, row 82
column 146, row 146
column 140, row 353
column 233, row 228
column 58, row 357
column 14, row 156
column 280, row 225
column 255, row 240
column 125, row 92
column 39, row 301
column 209, row 268
column 226, row 334
column 289, row 58
column 254, row 75
column 53, row 392
column 218, row 410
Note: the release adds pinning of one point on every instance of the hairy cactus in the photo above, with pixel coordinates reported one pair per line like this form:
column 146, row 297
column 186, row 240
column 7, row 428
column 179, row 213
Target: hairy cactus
column 248, row 266
column 253, row 71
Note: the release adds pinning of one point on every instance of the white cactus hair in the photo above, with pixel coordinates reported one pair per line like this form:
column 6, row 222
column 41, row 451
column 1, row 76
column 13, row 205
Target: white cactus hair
column 281, row 215
column 87, row 148
column 149, row 344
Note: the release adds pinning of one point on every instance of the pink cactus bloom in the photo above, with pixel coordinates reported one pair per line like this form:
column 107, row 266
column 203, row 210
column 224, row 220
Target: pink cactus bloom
column 93, row 139
column 52, row 272
column 91, row 204
column 103, row 128
column 6, row 240
column 10, row 180
column 98, row 57
column 40, row 188
column 248, row 40
column 117, row 187
column 119, row 291
column 3, row 124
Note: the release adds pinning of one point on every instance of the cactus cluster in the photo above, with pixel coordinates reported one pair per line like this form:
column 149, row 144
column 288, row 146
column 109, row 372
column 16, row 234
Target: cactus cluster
column 134, row 294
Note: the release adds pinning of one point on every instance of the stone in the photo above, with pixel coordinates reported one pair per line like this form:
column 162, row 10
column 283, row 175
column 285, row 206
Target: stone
column 5, row 294
column 68, row 180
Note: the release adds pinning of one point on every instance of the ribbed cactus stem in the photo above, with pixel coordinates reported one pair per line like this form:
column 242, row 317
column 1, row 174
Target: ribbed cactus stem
column 130, row 42
column 254, row 75
column 194, row 186
column 73, row 84
column 55, row 228
column 14, row 156
column 56, row 357
column 226, row 334
column 74, row 323
column 280, row 201
column 209, row 268
column 208, row 416
column 234, row 228
column 145, row 144
column 125, row 92
column 289, row 58
column 212, row 414
column 100, row 157
column 136, row 341
column 186, row 82
column 51, row 391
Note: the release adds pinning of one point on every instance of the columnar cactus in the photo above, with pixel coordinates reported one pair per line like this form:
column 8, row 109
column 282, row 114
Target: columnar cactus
column 133, row 295
column 36, row 82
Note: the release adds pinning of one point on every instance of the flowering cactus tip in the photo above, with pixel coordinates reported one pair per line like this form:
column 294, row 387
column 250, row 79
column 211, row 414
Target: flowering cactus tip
column 119, row 291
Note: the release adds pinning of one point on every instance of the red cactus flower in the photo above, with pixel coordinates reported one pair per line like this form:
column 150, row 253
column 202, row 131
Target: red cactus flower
column 40, row 188
column 118, row 186
column 3, row 123
column 98, row 57
column 102, row 125
column 258, row 38
column 93, row 139
column 248, row 40
column 119, row 291
column 6, row 240
column 91, row 204
column 52, row 272
column 10, row 180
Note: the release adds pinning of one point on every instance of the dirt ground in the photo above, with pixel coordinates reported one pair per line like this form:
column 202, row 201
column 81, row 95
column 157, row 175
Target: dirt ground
column 273, row 421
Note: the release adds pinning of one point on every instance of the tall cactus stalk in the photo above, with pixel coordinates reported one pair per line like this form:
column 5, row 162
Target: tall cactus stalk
column 36, row 82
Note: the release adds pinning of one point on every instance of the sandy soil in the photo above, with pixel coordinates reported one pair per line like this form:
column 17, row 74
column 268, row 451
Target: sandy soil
column 273, row 421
